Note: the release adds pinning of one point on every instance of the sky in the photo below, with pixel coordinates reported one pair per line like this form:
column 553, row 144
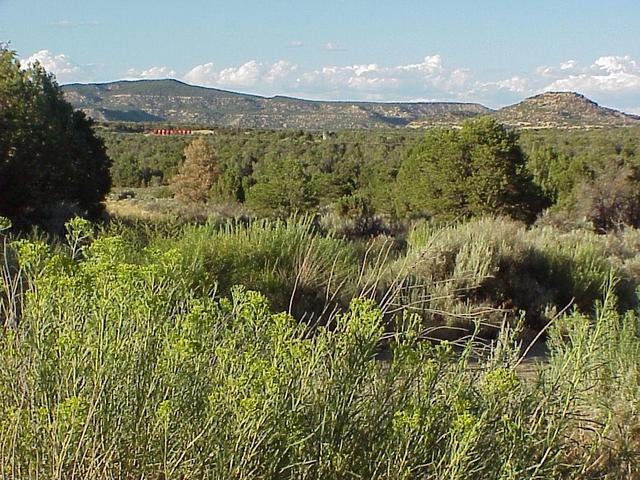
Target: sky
column 495, row 52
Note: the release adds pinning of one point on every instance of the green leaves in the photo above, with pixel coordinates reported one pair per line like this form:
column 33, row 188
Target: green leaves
column 118, row 365
column 50, row 160
column 282, row 187
column 478, row 170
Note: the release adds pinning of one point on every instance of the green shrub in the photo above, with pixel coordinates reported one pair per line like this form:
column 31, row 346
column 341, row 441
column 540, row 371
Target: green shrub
column 120, row 369
column 52, row 165
column 478, row 170
column 486, row 268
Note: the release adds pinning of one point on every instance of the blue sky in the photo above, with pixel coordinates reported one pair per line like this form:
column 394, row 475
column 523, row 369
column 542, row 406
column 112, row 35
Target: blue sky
column 495, row 52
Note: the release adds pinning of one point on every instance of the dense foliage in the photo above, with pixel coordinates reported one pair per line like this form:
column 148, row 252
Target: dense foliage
column 353, row 176
column 318, row 169
column 446, row 275
column 588, row 175
column 476, row 171
column 315, row 346
column 51, row 162
column 119, row 367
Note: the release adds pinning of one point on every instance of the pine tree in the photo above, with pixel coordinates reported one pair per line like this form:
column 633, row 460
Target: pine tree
column 197, row 175
column 282, row 188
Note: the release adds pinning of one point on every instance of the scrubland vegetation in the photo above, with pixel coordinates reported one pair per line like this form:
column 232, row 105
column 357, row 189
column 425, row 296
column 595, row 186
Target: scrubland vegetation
column 567, row 178
column 131, row 353
column 319, row 306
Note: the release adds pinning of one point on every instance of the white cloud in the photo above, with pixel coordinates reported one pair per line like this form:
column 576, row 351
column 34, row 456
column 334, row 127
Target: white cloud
column 280, row 71
column 613, row 64
column 72, row 24
column 333, row 47
column 204, row 74
column 459, row 78
column 153, row 72
column 60, row 65
column 608, row 75
column 430, row 65
column 610, row 80
column 428, row 78
column 514, row 84
column 296, row 44
column 245, row 75
column 568, row 65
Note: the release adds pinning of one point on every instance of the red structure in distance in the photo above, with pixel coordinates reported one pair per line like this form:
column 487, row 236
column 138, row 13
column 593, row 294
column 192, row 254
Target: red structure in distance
column 165, row 131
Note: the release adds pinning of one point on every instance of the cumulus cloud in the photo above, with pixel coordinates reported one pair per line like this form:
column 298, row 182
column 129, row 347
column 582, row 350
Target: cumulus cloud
column 371, row 81
column 60, row 65
column 459, row 78
column 568, row 65
column 513, row 84
column 610, row 80
column 245, row 75
column 152, row 72
column 280, row 71
column 391, row 82
column 204, row 74
column 607, row 74
column 296, row 44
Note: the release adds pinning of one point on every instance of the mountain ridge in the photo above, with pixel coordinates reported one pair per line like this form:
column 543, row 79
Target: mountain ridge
column 173, row 101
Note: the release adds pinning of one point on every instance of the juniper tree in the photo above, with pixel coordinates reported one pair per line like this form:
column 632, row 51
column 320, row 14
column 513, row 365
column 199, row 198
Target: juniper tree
column 475, row 171
column 49, row 154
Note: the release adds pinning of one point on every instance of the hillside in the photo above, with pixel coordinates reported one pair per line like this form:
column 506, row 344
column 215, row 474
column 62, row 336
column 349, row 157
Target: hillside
column 562, row 110
column 179, row 103
column 176, row 102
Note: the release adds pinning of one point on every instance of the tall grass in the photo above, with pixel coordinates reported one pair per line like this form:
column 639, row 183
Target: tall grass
column 11, row 286
column 457, row 276
column 120, row 368
column 300, row 271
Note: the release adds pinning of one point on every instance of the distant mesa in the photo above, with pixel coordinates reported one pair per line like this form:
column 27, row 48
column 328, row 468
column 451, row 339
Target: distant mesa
column 562, row 110
column 172, row 101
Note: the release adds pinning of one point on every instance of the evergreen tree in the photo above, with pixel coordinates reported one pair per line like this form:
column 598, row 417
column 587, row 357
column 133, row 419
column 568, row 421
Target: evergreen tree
column 282, row 187
column 197, row 175
column 49, row 154
column 478, row 170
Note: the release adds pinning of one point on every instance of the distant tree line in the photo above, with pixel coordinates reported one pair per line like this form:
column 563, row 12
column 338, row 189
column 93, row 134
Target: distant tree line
column 483, row 168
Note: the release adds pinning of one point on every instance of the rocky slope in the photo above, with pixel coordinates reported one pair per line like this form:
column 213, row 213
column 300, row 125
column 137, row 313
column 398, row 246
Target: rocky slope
column 176, row 102
column 171, row 101
column 562, row 110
